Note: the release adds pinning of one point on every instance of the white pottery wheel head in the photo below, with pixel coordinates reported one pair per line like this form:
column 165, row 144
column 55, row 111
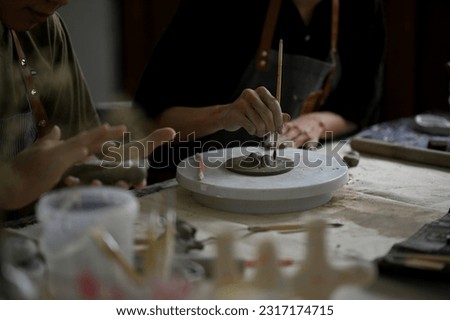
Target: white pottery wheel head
column 309, row 184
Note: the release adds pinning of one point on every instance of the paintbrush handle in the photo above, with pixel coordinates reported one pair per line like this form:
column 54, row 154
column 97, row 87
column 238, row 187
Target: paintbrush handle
column 275, row 228
column 112, row 252
column 423, row 257
column 286, row 227
column 278, row 93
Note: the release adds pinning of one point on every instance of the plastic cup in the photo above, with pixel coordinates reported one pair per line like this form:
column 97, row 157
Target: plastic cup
column 78, row 268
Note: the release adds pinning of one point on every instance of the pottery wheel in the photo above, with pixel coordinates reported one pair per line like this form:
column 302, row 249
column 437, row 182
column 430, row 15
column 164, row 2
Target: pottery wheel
column 309, row 183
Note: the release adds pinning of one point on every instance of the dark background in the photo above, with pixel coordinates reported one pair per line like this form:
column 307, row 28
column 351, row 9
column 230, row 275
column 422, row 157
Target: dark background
column 418, row 47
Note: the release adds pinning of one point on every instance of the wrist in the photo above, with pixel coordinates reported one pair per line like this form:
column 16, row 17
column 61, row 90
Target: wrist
column 218, row 116
column 9, row 187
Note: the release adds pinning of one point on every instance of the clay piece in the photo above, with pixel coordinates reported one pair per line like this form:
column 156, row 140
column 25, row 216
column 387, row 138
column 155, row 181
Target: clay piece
column 257, row 164
column 351, row 158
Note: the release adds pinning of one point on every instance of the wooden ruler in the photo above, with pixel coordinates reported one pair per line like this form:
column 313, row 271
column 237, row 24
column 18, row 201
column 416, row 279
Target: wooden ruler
column 397, row 151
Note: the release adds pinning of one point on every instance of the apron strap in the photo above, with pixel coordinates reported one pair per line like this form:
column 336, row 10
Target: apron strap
column 334, row 40
column 43, row 124
column 334, row 33
column 262, row 59
column 269, row 28
column 334, row 25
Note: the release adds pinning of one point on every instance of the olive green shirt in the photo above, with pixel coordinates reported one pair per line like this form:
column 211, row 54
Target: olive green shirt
column 60, row 84
column 59, row 80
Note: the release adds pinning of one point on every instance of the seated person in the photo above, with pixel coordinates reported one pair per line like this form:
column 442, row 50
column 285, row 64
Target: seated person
column 212, row 76
column 47, row 119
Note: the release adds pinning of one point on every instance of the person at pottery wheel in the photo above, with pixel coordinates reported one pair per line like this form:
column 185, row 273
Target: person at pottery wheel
column 48, row 122
column 212, row 76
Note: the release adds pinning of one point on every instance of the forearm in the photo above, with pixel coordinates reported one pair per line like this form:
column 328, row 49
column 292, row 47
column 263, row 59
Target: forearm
column 314, row 126
column 191, row 122
column 10, row 189
column 257, row 111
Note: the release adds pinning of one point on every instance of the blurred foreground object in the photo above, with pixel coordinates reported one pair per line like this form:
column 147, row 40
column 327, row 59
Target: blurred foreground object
column 22, row 267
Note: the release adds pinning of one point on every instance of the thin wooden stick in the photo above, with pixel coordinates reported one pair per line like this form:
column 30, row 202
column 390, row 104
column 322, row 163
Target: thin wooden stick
column 280, row 69
column 286, row 227
column 110, row 248
column 278, row 94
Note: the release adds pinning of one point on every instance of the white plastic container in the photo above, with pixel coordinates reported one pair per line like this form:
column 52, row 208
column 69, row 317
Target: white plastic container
column 78, row 268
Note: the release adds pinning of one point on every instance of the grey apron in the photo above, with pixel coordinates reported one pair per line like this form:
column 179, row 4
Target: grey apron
column 304, row 79
column 301, row 76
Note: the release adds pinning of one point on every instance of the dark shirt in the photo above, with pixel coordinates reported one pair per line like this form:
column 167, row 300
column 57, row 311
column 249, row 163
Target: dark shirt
column 200, row 59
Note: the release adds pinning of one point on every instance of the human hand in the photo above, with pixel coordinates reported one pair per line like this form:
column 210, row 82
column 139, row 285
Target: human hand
column 38, row 168
column 97, row 172
column 117, row 160
column 303, row 131
column 257, row 111
column 139, row 149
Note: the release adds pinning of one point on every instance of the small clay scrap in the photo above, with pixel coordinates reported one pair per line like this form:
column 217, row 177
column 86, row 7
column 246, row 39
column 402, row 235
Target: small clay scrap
column 351, row 158
column 185, row 237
